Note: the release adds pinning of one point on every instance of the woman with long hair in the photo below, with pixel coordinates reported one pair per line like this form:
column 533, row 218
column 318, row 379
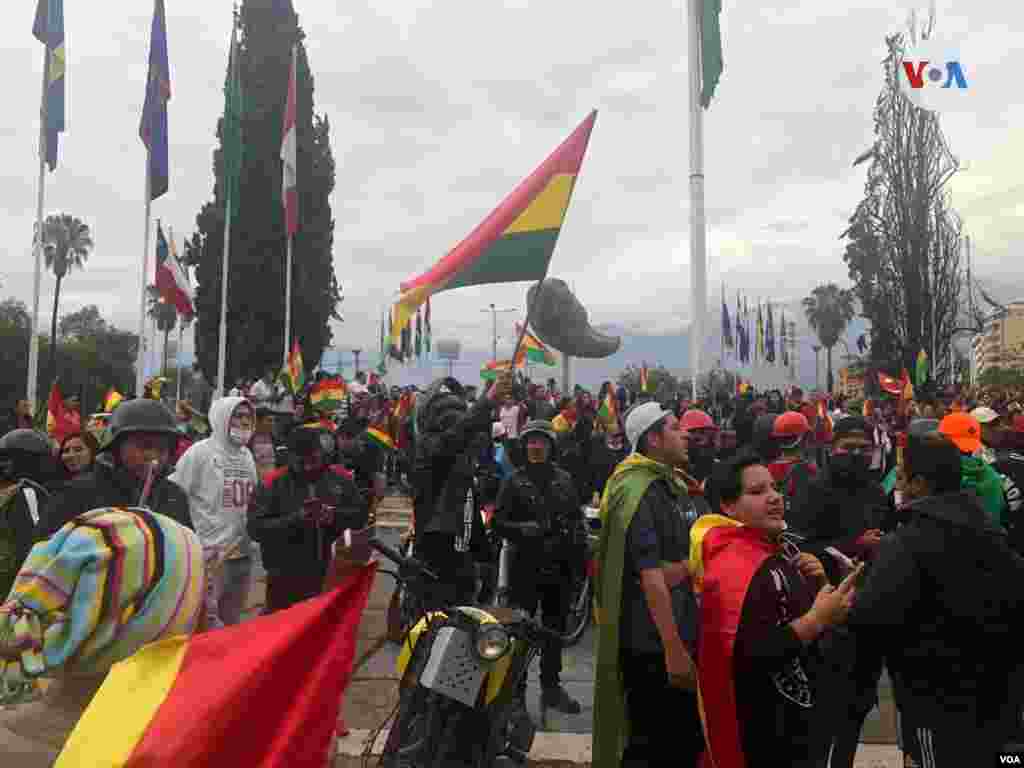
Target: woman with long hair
column 77, row 453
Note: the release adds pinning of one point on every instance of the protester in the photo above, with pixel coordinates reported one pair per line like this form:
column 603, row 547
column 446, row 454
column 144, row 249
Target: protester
column 219, row 476
column 77, row 453
column 647, row 612
column 538, row 510
column 143, row 434
column 965, row 433
column 942, row 605
column 608, row 449
column 446, row 519
column 763, row 608
column 296, row 515
column 262, row 444
column 25, row 467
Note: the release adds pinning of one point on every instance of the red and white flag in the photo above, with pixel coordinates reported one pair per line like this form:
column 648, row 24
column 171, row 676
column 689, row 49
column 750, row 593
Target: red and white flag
column 289, row 152
column 171, row 280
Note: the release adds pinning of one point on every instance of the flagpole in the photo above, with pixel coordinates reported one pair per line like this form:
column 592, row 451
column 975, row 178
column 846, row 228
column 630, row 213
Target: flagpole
column 288, row 299
column 140, row 374
column 33, row 342
column 177, row 354
column 222, row 349
column 698, row 256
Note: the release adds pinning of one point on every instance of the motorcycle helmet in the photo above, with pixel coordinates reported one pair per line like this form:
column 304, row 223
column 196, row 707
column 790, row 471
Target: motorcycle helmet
column 538, row 427
column 440, row 406
column 141, row 415
column 25, row 453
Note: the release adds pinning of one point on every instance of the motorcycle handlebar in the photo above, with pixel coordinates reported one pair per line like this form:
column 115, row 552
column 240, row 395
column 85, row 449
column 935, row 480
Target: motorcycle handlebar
column 401, row 560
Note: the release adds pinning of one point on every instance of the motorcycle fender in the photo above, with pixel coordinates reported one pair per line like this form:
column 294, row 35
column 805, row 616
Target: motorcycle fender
column 410, row 642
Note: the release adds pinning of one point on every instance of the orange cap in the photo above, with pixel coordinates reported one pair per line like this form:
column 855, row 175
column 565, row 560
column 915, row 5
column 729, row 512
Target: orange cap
column 790, row 424
column 963, row 429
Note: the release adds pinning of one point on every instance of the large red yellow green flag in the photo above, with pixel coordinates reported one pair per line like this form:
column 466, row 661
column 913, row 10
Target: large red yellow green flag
column 515, row 242
column 263, row 693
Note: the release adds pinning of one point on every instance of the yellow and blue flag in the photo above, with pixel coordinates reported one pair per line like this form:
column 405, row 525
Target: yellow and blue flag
column 49, row 30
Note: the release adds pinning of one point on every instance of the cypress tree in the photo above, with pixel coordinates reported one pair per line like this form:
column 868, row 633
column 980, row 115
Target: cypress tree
column 255, row 317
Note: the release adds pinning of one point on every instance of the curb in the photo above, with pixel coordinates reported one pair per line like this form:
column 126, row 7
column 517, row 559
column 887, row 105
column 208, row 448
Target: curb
column 561, row 750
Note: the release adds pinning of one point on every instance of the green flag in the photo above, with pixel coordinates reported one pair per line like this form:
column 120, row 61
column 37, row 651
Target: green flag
column 921, row 370
column 710, row 49
column 231, row 128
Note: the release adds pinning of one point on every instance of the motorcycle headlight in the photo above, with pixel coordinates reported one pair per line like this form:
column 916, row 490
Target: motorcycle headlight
column 492, row 642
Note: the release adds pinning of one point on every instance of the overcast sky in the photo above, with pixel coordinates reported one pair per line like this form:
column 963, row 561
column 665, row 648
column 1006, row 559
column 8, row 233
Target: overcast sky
column 439, row 109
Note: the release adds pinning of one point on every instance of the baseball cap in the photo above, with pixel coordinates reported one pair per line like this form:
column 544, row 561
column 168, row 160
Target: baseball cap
column 963, row 429
column 696, row 419
column 790, row 424
column 984, row 415
column 641, row 418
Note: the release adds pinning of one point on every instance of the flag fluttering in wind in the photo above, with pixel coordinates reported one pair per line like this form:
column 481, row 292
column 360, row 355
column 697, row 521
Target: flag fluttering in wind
column 643, row 378
column 111, row 400
column 153, row 126
column 171, row 281
column 231, row 129
column 49, row 30
column 61, row 421
column 294, row 374
column 515, row 242
column 532, row 350
column 491, row 369
column 711, row 63
column 328, row 394
column 608, row 413
column 177, row 701
column 727, row 340
column 769, row 336
column 289, row 154
column 921, row 369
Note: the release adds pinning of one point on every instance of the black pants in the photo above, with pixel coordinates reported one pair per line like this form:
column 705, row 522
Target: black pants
column 456, row 583
column 952, row 746
column 662, row 720
column 845, row 738
column 552, row 595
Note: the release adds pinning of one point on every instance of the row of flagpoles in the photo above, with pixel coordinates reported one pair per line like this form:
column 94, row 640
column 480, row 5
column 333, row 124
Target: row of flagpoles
column 171, row 275
column 749, row 337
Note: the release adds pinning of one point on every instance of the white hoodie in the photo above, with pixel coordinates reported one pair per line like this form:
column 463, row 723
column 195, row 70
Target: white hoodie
column 219, row 478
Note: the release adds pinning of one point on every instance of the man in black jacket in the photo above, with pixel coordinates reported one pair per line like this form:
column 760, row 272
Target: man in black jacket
column 296, row 515
column 446, row 518
column 143, row 436
column 942, row 604
column 538, row 511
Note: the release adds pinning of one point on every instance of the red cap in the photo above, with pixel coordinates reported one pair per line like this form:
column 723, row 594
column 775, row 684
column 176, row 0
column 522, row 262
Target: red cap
column 790, row 424
column 696, row 419
column 963, row 429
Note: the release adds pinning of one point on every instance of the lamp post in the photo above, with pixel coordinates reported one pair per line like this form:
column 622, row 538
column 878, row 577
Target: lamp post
column 494, row 328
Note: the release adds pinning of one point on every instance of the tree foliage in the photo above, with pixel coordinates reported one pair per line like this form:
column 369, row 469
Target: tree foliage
column 67, row 243
column 903, row 243
column 829, row 310
column 256, row 287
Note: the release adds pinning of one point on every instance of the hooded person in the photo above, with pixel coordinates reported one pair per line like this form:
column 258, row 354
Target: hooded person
column 219, row 475
column 103, row 586
column 134, row 465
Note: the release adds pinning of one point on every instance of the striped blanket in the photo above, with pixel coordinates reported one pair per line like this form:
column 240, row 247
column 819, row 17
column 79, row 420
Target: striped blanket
column 99, row 589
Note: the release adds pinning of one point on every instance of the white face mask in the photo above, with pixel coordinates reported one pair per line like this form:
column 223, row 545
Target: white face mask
column 240, row 435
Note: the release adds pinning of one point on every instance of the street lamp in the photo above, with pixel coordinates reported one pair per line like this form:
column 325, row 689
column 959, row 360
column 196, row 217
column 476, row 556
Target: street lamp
column 494, row 328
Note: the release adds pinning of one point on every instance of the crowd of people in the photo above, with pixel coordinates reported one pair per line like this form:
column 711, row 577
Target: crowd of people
column 763, row 557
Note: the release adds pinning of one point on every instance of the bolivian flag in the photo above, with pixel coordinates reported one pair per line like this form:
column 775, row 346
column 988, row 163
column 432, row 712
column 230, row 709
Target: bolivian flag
column 381, row 438
column 490, row 370
column 515, row 242
column 532, row 350
column 111, row 400
column 294, row 373
column 263, row 693
column 328, row 394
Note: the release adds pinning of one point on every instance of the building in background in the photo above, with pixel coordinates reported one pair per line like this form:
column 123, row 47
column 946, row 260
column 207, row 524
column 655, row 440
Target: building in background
column 1001, row 343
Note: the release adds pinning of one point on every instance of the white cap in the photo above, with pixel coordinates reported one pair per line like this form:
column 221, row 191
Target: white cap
column 642, row 417
column 984, row 415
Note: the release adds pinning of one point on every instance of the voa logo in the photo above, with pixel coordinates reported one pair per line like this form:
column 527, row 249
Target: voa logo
column 933, row 76
column 1009, row 760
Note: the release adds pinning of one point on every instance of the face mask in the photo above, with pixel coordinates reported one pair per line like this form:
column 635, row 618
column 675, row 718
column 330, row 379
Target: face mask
column 240, row 435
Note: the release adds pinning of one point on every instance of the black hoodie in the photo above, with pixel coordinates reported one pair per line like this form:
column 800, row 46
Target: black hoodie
column 942, row 604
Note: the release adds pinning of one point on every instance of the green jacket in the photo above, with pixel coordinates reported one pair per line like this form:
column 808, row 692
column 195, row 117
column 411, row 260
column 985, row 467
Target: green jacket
column 978, row 476
column 626, row 487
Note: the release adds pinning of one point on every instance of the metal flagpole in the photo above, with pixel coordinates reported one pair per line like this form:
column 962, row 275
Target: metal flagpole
column 698, row 256
column 33, row 342
column 222, row 349
column 177, row 353
column 140, row 364
column 288, row 300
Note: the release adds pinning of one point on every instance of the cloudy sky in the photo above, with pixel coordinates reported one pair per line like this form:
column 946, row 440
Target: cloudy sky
column 438, row 109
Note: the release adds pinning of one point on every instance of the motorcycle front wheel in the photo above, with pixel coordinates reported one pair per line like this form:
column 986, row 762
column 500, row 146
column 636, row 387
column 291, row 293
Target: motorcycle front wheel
column 580, row 610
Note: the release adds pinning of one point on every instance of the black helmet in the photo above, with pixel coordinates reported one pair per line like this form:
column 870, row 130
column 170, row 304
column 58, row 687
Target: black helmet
column 141, row 415
column 541, row 427
column 25, row 453
column 24, row 441
column 444, row 398
column 303, row 440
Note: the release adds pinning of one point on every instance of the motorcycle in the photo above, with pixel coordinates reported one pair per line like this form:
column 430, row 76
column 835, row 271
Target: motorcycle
column 581, row 606
column 462, row 673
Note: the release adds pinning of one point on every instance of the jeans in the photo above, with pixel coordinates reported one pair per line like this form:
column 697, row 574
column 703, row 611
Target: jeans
column 662, row 720
column 227, row 589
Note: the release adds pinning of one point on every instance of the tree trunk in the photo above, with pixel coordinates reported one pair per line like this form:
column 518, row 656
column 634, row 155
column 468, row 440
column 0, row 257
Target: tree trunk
column 53, row 330
column 828, row 377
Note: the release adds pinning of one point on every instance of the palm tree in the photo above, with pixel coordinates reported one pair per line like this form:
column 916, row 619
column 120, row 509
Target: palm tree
column 164, row 313
column 67, row 243
column 829, row 310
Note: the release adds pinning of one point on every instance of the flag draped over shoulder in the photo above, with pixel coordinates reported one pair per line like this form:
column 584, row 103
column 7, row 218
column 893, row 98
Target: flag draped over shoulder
column 177, row 701
column 515, row 242
column 711, row 63
column 48, row 29
column 153, row 127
